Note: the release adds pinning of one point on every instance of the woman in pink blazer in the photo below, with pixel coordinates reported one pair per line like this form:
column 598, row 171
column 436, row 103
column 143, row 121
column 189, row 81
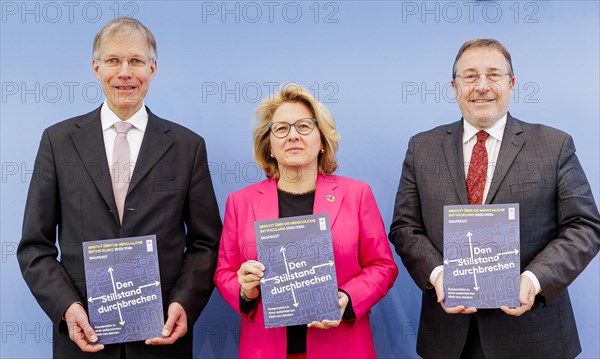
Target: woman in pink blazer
column 295, row 143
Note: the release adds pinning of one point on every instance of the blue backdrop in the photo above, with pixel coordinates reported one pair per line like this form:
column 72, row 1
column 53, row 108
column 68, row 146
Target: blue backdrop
column 383, row 69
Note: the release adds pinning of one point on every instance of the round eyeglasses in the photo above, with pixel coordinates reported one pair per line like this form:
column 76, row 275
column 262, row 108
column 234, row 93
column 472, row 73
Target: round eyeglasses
column 133, row 63
column 303, row 126
column 472, row 78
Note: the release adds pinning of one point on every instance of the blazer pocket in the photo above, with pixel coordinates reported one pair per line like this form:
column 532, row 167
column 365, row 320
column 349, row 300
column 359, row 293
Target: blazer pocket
column 168, row 186
column 526, row 187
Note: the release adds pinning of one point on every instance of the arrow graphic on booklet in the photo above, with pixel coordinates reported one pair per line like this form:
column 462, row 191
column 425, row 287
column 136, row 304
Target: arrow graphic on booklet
column 514, row 251
column 156, row 283
column 112, row 279
column 330, row 263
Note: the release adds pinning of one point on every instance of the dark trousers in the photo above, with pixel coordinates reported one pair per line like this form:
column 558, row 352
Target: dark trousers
column 472, row 348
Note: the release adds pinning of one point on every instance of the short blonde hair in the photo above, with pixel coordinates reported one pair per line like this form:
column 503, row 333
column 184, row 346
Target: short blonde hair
column 293, row 92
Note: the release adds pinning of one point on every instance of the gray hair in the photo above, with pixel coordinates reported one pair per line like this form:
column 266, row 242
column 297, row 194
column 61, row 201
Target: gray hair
column 485, row 43
column 124, row 25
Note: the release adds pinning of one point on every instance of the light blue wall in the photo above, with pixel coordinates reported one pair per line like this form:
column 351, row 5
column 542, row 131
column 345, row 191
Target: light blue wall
column 382, row 67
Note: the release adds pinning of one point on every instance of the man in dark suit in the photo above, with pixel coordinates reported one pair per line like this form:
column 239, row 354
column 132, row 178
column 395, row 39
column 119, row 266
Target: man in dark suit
column 91, row 187
column 533, row 165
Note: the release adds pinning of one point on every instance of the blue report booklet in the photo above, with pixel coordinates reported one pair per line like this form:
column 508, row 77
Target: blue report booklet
column 481, row 255
column 124, row 297
column 299, row 284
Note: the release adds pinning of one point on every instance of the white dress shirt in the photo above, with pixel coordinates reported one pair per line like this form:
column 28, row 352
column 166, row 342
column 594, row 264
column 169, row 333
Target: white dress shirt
column 139, row 120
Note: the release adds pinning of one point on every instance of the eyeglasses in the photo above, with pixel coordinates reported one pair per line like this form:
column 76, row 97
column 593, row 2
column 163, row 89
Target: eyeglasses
column 134, row 63
column 303, row 126
column 472, row 78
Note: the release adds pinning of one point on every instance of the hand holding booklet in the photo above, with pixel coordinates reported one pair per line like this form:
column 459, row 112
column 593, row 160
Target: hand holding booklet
column 299, row 284
column 481, row 255
column 123, row 289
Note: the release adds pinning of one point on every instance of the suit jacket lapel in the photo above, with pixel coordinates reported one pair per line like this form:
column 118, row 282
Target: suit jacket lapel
column 89, row 142
column 154, row 145
column 453, row 152
column 264, row 201
column 511, row 145
column 328, row 197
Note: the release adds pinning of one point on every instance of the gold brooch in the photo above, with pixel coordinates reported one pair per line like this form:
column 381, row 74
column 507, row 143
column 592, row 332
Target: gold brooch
column 330, row 198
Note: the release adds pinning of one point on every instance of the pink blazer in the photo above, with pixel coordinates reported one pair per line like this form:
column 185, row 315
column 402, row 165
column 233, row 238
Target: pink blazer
column 364, row 265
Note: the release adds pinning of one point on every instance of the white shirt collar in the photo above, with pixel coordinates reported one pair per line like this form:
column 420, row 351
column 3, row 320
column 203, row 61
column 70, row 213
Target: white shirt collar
column 108, row 118
column 496, row 131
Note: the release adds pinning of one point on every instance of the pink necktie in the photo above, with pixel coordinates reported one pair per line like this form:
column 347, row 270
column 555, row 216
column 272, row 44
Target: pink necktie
column 478, row 170
column 121, row 169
